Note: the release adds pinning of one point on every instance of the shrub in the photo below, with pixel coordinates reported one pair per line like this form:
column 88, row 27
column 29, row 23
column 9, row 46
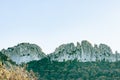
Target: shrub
column 15, row 73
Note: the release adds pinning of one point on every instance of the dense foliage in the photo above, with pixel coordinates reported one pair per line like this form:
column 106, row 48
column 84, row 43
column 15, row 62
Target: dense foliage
column 74, row 70
column 5, row 59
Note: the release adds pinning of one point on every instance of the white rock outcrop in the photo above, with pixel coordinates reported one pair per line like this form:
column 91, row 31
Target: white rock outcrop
column 84, row 52
column 24, row 52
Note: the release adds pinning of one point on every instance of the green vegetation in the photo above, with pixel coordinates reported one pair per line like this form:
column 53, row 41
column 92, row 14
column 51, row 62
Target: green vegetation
column 74, row 70
column 4, row 59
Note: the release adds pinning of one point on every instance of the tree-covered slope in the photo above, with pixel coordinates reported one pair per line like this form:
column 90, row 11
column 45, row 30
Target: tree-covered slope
column 74, row 70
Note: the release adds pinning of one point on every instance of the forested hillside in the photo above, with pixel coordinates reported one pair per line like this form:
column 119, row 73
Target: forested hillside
column 74, row 70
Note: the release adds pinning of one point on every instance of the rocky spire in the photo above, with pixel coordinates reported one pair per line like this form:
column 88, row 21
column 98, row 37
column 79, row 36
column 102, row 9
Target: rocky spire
column 84, row 52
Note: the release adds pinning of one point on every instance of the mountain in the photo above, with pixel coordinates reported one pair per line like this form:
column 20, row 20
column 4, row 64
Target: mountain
column 24, row 52
column 78, row 62
column 84, row 52
column 83, row 61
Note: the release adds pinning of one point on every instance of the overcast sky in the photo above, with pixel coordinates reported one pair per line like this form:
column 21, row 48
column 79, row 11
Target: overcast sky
column 50, row 23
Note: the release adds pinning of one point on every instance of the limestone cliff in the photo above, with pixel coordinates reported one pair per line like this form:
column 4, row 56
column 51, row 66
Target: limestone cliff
column 24, row 52
column 84, row 52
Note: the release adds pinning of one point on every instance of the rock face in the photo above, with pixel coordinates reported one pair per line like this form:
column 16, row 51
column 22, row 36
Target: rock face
column 24, row 52
column 84, row 52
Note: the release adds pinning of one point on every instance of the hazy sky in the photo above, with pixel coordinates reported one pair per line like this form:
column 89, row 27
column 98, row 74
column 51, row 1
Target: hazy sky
column 50, row 23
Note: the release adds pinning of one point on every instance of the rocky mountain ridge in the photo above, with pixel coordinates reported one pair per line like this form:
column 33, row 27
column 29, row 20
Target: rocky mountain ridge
column 83, row 52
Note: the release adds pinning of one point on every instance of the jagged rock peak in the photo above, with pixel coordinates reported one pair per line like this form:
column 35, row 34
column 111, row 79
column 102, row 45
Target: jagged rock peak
column 24, row 52
column 65, row 48
column 87, row 47
column 78, row 45
column 84, row 52
column 105, row 49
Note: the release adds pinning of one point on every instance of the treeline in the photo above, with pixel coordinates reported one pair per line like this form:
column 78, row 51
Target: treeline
column 74, row 70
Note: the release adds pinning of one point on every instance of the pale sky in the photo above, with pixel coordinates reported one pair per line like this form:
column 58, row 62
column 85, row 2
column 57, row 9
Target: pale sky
column 50, row 23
